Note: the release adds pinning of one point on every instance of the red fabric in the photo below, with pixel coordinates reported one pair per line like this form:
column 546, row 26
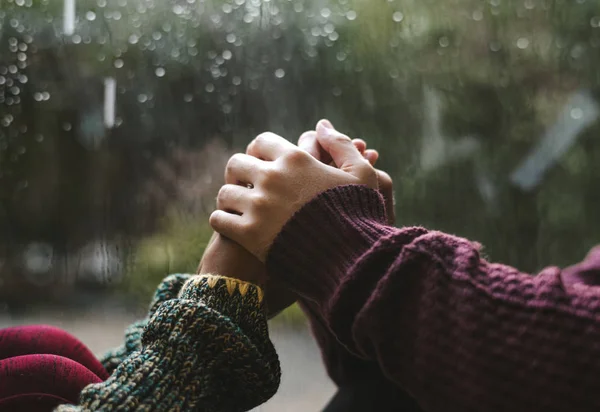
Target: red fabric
column 439, row 321
column 42, row 367
column 41, row 382
column 44, row 339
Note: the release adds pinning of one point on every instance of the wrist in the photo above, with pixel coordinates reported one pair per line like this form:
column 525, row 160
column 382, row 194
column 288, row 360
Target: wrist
column 226, row 258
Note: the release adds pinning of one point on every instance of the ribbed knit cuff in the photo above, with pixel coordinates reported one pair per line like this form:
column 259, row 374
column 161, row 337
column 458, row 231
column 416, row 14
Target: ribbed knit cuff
column 318, row 245
column 240, row 301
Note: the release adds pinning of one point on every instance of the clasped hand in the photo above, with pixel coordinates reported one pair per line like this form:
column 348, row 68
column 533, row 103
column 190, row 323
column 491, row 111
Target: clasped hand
column 268, row 184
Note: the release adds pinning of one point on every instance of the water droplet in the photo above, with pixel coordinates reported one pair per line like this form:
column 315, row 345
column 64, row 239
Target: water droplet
column 2, row 80
column 119, row 63
column 188, row 98
column 142, row 98
column 477, row 15
column 37, row 97
column 21, row 150
column 325, row 12
column 39, row 138
column 66, row 126
column 334, row 36
column 237, row 80
column 160, row 72
column 157, row 35
column 45, row 96
column 230, row 38
column 595, row 21
column 444, row 41
column 495, row 46
column 133, row 39
column 398, row 16
column 529, row 4
column 90, row 15
column 351, row 15
column 210, row 88
column 178, row 9
column 576, row 113
column 523, row 43
column 279, row 73
column 227, row 8
column 336, row 91
column 227, row 55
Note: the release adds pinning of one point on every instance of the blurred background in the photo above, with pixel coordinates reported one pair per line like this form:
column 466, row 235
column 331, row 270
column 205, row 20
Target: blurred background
column 118, row 116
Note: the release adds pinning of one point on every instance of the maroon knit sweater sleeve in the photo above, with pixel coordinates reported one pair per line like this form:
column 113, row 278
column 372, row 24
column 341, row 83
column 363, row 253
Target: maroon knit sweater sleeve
column 455, row 331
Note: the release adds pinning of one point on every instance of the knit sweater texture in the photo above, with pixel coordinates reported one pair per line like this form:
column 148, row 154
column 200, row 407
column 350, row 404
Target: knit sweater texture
column 426, row 312
column 203, row 347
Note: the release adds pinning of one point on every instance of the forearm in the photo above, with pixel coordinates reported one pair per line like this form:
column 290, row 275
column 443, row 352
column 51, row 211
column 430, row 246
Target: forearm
column 455, row 331
column 196, row 351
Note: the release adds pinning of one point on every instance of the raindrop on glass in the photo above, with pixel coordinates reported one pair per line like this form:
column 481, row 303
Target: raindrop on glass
column 576, row 113
column 279, row 73
column 523, row 43
column 210, row 88
column 351, row 15
column 398, row 16
column 188, row 98
column 119, row 63
column 142, row 98
column 495, row 46
column 444, row 41
column 90, row 15
column 325, row 12
column 160, row 72
column 66, row 126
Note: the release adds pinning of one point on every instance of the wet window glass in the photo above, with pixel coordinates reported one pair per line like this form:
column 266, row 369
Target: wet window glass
column 118, row 116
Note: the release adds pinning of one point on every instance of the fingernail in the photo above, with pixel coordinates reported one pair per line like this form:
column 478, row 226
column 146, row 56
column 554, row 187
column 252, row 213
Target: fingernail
column 326, row 123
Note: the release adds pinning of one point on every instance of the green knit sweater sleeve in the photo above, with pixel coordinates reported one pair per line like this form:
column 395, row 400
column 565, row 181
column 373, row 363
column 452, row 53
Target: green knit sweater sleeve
column 168, row 289
column 207, row 349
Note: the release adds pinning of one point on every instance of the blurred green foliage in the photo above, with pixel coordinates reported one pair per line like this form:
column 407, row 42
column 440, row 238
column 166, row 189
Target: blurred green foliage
column 455, row 95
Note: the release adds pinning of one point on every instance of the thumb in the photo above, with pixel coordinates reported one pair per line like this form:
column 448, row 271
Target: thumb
column 344, row 153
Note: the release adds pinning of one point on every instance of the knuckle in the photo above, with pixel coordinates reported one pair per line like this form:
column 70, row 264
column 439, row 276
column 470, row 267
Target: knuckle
column 297, row 157
column 213, row 220
column 260, row 202
column 232, row 162
column 342, row 139
column 270, row 174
